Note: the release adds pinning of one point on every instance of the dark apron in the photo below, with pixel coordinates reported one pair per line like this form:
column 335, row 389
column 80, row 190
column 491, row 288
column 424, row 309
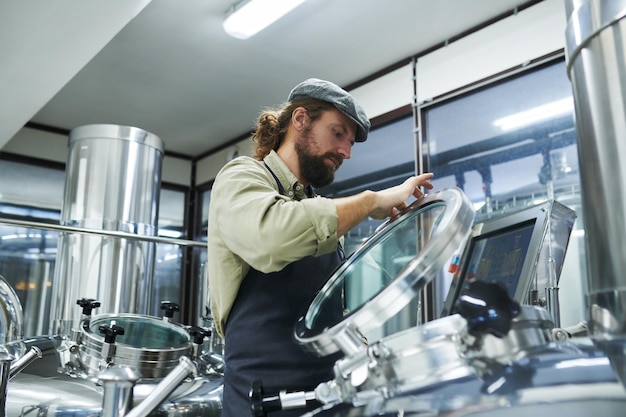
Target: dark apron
column 260, row 343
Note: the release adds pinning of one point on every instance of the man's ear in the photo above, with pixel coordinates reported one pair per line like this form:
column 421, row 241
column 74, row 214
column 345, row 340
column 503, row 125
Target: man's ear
column 299, row 118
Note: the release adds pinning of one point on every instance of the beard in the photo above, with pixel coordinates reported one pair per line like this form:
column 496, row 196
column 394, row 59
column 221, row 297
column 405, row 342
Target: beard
column 314, row 168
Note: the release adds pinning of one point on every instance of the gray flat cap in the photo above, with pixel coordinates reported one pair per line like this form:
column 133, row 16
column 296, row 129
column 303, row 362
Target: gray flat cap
column 337, row 96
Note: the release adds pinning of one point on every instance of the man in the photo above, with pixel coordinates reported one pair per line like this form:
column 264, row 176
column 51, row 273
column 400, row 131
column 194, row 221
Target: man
column 273, row 243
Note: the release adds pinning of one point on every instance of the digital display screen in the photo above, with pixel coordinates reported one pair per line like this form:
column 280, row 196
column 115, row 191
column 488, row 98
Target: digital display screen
column 498, row 257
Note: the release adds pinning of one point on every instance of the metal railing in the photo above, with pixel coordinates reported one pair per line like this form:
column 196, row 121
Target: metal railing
column 100, row 232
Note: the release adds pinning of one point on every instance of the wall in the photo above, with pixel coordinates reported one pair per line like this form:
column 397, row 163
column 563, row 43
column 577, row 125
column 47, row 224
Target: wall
column 207, row 168
column 530, row 34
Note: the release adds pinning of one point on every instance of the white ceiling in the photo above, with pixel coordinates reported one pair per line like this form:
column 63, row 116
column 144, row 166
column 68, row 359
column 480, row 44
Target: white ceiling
column 174, row 72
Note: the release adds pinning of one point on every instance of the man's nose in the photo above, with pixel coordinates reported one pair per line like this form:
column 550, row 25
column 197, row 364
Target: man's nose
column 345, row 150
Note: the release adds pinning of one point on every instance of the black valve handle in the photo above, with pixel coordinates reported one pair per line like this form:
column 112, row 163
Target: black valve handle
column 169, row 308
column 261, row 405
column 487, row 308
column 88, row 304
column 198, row 334
column 110, row 332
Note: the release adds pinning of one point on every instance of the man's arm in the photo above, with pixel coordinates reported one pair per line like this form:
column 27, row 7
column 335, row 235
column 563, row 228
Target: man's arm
column 379, row 205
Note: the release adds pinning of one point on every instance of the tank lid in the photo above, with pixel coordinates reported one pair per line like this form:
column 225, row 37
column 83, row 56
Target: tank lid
column 387, row 272
column 110, row 131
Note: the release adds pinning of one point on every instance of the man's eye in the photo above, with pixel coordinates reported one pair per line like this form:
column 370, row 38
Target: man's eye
column 337, row 133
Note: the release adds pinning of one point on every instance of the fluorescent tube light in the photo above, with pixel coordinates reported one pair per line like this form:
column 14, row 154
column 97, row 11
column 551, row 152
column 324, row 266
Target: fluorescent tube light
column 537, row 114
column 248, row 17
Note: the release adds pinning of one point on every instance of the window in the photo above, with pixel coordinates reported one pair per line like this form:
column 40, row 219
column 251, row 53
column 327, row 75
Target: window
column 510, row 145
column 511, row 139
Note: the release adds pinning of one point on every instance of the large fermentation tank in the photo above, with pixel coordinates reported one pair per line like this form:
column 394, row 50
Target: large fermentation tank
column 595, row 35
column 113, row 179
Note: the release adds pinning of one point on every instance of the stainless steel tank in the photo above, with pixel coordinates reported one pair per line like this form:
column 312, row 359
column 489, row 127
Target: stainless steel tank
column 595, row 38
column 527, row 372
column 113, row 178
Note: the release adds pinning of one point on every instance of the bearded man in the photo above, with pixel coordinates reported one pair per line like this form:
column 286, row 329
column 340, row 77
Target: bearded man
column 272, row 242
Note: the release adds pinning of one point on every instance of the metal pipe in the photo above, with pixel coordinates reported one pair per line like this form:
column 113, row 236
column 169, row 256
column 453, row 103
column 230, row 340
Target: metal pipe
column 118, row 383
column 553, row 305
column 24, row 361
column 160, row 393
column 5, row 363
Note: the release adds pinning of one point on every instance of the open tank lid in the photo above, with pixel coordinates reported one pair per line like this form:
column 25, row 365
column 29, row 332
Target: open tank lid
column 385, row 273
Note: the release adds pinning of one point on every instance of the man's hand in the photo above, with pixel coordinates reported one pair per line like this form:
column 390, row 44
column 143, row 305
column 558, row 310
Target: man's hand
column 380, row 204
column 392, row 200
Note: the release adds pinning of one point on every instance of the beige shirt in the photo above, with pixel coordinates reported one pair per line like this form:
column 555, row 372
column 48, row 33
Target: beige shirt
column 251, row 225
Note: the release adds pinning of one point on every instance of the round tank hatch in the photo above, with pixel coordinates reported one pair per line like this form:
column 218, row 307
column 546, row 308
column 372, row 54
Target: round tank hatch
column 385, row 273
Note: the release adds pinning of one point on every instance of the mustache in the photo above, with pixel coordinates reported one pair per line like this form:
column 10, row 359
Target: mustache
column 338, row 159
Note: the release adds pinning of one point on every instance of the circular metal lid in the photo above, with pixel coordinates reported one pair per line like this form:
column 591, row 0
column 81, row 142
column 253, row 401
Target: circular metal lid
column 386, row 273
column 143, row 332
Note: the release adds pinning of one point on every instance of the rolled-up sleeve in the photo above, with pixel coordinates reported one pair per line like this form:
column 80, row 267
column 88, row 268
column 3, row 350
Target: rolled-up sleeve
column 323, row 215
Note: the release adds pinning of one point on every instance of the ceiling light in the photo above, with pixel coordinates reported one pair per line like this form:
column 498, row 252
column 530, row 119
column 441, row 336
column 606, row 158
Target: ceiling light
column 251, row 16
column 536, row 114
